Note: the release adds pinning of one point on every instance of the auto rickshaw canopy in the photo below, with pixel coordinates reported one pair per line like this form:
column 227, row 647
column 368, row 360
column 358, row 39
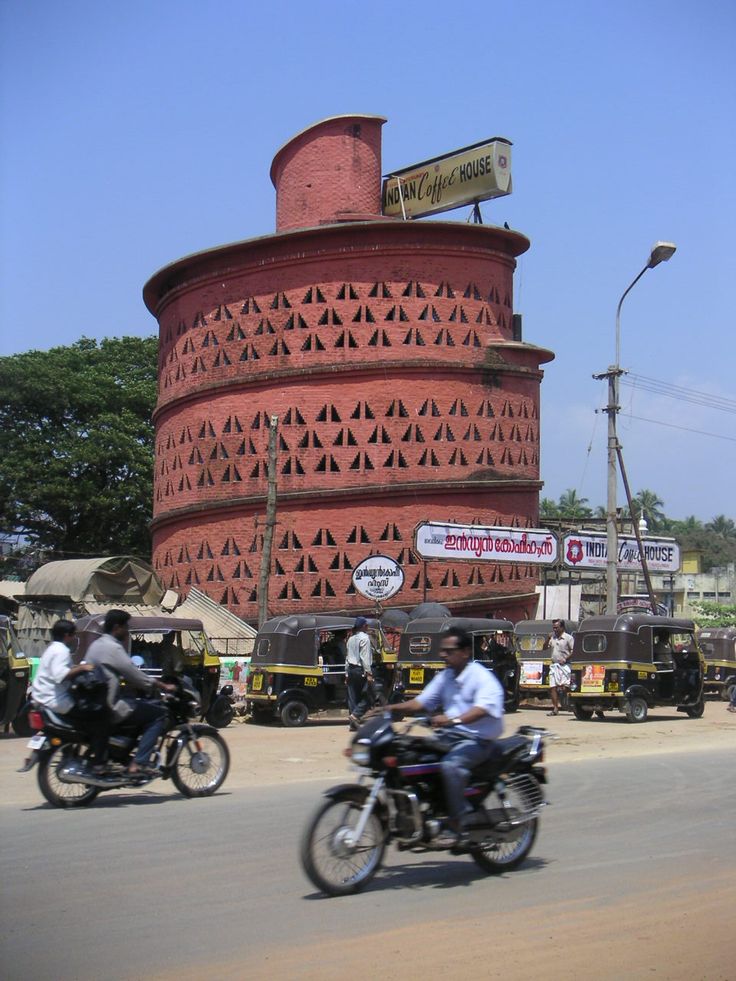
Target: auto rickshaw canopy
column 295, row 639
column 627, row 637
column 718, row 643
column 421, row 638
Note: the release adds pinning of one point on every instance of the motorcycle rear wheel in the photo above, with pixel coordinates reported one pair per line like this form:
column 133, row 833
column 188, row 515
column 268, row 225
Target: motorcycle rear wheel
column 509, row 849
column 56, row 792
column 330, row 864
column 202, row 765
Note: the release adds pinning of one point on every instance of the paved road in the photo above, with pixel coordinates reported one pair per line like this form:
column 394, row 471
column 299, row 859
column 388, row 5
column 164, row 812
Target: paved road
column 633, row 872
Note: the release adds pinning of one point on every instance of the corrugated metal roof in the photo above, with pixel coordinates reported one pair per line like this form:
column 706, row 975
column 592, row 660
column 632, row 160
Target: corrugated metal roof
column 229, row 634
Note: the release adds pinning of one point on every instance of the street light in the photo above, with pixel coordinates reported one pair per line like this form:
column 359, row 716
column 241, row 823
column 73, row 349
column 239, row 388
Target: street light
column 661, row 252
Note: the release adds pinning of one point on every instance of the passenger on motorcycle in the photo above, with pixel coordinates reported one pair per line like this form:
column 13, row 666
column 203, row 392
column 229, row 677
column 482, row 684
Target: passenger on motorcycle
column 110, row 653
column 471, row 700
column 52, row 684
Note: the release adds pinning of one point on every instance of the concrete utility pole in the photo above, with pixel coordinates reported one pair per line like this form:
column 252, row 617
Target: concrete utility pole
column 661, row 252
column 270, row 523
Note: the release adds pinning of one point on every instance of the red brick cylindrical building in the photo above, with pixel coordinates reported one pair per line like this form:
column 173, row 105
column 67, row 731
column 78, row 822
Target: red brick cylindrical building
column 386, row 349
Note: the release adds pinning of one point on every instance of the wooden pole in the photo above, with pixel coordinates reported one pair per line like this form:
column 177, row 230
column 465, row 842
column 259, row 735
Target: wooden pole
column 270, row 523
column 635, row 523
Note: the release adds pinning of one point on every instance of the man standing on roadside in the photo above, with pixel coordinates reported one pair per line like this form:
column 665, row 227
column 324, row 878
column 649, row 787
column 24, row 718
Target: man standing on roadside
column 560, row 673
column 358, row 671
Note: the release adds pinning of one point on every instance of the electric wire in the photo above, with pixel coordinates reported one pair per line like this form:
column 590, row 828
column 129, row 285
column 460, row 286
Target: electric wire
column 684, row 429
column 656, row 387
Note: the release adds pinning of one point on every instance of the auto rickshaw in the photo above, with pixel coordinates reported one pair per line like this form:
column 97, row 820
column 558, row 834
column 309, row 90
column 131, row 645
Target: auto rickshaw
column 419, row 657
column 634, row 662
column 164, row 646
column 15, row 672
column 298, row 666
column 718, row 645
column 534, row 661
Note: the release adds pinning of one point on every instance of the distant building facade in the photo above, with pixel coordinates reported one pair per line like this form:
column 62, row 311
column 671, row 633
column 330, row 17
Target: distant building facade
column 386, row 348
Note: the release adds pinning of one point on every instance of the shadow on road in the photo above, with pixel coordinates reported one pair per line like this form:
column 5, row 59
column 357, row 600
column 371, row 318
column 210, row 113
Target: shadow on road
column 125, row 800
column 435, row 874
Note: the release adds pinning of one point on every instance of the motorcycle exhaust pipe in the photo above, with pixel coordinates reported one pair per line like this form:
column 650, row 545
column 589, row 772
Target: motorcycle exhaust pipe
column 74, row 773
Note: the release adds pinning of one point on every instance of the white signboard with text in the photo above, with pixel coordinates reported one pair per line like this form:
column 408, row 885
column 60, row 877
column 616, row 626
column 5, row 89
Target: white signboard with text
column 378, row 577
column 433, row 540
column 590, row 551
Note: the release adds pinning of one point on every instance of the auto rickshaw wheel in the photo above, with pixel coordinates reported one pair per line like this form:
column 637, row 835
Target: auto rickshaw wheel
column 729, row 690
column 294, row 713
column 695, row 711
column 636, row 710
column 581, row 712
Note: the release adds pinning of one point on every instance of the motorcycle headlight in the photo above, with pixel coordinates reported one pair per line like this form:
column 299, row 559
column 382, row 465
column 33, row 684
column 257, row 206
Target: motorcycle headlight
column 361, row 754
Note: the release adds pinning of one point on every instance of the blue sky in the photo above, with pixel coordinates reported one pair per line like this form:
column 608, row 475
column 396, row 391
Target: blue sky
column 136, row 133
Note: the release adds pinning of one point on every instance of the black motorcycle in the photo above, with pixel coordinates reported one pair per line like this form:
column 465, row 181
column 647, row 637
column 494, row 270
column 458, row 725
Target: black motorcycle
column 194, row 756
column 400, row 797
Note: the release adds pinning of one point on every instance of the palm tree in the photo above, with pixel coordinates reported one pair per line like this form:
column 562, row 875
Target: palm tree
column 548, row 509
column 650, row 504
column 723, row 527
column 574, row 508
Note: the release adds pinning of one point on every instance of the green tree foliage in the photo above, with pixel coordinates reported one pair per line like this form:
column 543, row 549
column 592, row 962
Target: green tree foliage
column 76, row 445
column 573, row 508
column 651, row 505
column 714, row 614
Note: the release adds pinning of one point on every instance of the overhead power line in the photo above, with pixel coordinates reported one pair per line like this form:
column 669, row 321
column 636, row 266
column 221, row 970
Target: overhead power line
column 678, row 392
column 685, row 429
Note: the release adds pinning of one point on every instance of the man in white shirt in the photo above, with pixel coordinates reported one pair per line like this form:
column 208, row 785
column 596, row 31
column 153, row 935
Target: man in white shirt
column 560, row 674
column 472, row 702
column 52, row 684
column 358, row 671
column 56, row 670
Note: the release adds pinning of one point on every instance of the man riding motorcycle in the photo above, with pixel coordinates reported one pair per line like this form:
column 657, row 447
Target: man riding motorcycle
column 472, row 702
column 110, row 653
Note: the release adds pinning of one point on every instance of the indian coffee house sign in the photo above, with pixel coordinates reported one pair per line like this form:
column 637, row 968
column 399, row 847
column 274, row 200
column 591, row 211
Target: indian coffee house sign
column 474, row 173
column 590, row 551
column 378, row 577
column 433, row 540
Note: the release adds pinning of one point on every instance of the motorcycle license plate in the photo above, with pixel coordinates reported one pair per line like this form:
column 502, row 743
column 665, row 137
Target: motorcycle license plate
column 416, row 676
column 37, row 742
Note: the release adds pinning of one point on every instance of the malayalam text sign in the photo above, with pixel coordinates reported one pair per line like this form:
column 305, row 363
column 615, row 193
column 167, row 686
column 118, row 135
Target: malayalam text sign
column 433, row 540
column 378, row 577
column 589, row 551
column 472, row 174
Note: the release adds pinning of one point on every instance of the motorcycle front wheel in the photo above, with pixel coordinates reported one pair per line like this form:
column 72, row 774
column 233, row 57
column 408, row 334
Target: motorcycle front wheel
column 507, row 848
column 202, row 765
column 332, row 863
column 57, row 792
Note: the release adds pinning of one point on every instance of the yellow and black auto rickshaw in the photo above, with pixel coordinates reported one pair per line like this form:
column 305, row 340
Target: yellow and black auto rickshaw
column 298, row 667
column 15, row 673
column 718, row 645
column 164, row 646
column 419, row 657
column 534, row 661
column 634, row 662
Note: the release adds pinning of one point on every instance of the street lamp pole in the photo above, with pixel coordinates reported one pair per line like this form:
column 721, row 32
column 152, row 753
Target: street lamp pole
column 661, row 252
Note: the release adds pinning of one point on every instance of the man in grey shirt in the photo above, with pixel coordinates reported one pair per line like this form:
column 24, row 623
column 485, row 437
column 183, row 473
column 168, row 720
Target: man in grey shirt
column 110, row 653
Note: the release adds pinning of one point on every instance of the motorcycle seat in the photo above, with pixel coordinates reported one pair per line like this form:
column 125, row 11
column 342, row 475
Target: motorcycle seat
column 57, row 721
column 503, row 748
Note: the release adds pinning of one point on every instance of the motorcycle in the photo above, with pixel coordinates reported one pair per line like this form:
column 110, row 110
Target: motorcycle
column 400, row 797
column 194, row 756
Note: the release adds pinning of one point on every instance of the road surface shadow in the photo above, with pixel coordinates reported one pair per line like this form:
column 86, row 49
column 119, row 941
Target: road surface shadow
column 436, row 874
column 125, row 800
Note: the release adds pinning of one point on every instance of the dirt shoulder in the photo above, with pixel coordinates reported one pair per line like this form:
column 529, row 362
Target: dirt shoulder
column 270, row 755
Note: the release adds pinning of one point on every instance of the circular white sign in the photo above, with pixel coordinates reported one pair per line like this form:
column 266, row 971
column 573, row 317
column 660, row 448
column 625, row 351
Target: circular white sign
column 378, row 577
